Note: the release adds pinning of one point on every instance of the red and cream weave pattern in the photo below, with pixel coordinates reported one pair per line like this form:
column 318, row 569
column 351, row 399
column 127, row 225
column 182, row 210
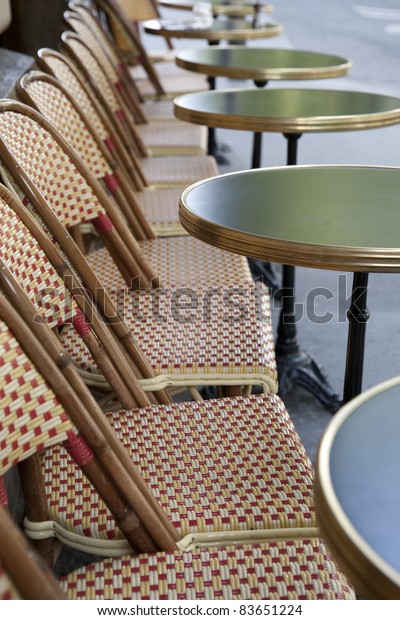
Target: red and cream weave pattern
column 292, row 570
column 219, row 465
column 50, row 169
column 97, row 49
column 57, row 108
column 179, row 262
column 67, row 75
column 178, row 169
column 207, row 335
column 27, row 262
column 97, row 74
column 31, row 419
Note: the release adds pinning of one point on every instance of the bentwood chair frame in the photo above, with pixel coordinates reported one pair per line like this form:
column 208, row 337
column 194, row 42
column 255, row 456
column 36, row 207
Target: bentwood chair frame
column 90, row 448
column 171, row 171
column 96, row 440
column 173, row 260
column 258, row 418
column 159, row 137
column 111, row 226
column 159, row 206
column 127, row 40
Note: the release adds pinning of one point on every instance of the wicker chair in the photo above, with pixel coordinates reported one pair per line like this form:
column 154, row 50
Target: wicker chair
column 158, row 137
column 152, row 83
column 159, row 171
column 46, row 421
column 159, row 206
column 174, row 260
column 144, row 577
column 158, row 109
column 228, row 340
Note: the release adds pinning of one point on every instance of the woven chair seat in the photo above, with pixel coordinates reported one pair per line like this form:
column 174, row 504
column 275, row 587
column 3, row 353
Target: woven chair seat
column 223, row 465
column 195, row 346
column 162, row 110
column 293, row 570
column 180, row 261
column 169, row 138
column 173, row 85
column 168, row 69
column 178, row 170
column 160, row 207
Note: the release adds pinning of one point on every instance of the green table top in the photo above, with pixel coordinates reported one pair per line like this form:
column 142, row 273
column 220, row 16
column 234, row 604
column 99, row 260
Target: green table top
column 358, row 493
column 330, row 217
column 288, row 110
column 260, row 63
column 222, row 28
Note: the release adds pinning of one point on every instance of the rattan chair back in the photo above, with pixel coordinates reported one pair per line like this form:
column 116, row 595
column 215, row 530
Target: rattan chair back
column 62, row 200
column 54, row 172
column 128, row 40
column 41, row 409
column 32, row 259
column 83, row 22
column 48, row 96
column 75, row 47
column 78, row 86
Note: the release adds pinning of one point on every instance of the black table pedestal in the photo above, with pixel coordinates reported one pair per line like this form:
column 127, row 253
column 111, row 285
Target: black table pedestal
column 294, row 365
column 358, row 316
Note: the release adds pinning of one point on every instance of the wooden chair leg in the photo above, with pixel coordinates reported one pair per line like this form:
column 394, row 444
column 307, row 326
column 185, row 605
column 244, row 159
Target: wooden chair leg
column 36, row 503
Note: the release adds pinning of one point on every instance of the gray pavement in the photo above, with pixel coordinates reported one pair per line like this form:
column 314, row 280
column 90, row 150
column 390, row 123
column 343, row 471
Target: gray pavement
column 369, row 35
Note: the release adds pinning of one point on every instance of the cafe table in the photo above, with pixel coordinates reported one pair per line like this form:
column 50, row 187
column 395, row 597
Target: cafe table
column 221, row 29
column 291, row 112
column 222, row 7
column 338, row 217
column 260, row 65
column 357, row 490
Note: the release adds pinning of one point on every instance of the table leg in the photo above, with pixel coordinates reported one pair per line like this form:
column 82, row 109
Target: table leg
column 213, row 147
column 358, row 316
column 294, row 365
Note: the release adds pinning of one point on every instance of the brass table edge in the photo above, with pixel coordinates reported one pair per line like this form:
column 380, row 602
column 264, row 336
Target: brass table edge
column 298, row 254
column 370, row 574
column 287, row 125
column 286, row 73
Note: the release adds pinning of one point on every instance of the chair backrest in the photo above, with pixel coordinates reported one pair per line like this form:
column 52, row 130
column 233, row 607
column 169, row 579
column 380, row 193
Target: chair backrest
column 127, row 38
column 75, row 47
column 47, row 95
column 32, row 260
column 138, row 10
column 57, row 175
column 57, row 184
column 74, row 81
column 39, row 409
column 84, row 23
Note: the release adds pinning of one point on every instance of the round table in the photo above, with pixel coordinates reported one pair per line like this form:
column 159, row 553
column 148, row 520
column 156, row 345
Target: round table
column 222, row 29
column 292, row 112
column 261, row 64
column 329, row 217
column 221, row 7
column 358, row 491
